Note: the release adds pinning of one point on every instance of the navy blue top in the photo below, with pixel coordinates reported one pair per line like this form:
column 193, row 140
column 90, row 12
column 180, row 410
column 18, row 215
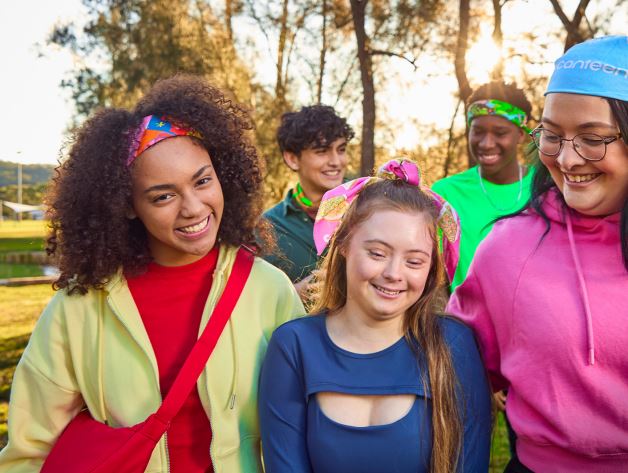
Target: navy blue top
column 298, row 437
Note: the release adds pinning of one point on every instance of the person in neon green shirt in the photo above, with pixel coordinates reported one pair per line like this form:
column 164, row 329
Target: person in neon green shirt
column 499, row 184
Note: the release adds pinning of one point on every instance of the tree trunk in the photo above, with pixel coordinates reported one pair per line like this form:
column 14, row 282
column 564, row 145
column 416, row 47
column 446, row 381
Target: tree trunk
column 460, row 63
column 321, row 74
column 358, row 10
column 450, row 141
column 229, row 19
column 574, row 35
column 280, row 91
column 498, row 38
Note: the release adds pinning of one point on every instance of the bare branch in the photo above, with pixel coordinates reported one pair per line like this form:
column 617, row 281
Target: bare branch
column 345, row 81
column 379, row 52
column 450, row 141
column 561, row 14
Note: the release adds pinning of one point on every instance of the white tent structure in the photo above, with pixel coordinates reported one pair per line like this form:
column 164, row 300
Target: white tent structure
column 35, row 210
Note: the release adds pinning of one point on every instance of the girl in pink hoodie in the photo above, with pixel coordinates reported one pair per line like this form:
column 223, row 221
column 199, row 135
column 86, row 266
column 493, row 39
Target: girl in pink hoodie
column 547, row 292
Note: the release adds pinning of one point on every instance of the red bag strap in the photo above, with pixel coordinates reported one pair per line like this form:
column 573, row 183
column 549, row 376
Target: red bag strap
column 197, row 359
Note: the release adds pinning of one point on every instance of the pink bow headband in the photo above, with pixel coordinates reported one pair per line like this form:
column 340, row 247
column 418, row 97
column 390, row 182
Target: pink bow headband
column 151, row 131
column 336, row 201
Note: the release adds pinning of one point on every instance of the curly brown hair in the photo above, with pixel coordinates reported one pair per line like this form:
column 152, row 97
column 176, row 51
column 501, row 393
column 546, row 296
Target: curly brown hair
column 89, row 202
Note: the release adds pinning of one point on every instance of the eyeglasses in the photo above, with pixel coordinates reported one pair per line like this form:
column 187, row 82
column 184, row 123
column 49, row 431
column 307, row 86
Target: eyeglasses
column 589, row 146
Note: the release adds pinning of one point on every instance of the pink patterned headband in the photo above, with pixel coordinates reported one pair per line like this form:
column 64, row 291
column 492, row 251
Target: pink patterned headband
column 151, row 131
column 336, row 202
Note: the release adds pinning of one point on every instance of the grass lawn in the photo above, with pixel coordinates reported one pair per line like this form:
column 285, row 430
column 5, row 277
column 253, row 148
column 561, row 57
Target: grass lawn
column 9, row 245
column 23, row 229
column 17, row 237
column 19, row 309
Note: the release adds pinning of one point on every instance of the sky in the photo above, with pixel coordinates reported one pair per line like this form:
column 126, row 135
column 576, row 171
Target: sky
column 35, row 110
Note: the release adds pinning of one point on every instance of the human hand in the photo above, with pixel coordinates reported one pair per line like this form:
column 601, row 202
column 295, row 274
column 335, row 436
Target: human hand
column 500, row 400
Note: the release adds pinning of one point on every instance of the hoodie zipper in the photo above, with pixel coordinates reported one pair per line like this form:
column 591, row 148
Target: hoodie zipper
column 167, row 454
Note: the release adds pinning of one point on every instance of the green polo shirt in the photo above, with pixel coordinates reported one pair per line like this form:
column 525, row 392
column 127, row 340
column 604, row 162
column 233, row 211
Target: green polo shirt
column 294, row 232
column 478, row 207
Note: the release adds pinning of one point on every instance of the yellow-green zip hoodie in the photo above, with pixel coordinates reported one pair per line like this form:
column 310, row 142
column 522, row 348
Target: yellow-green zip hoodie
column 92, row 350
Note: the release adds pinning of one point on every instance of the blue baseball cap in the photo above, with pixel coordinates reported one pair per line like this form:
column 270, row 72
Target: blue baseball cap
column 596, row 67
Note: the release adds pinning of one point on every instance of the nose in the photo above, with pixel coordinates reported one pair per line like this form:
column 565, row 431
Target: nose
column 392, row 271
column 567, row 159
column 487, row 141
column 191, row 205
column 334, row 158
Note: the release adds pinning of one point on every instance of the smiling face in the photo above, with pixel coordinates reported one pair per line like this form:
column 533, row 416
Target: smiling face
column 320, row 169
column 178, row 198
column 493, row 143
column 590, row 187
column 387, row 270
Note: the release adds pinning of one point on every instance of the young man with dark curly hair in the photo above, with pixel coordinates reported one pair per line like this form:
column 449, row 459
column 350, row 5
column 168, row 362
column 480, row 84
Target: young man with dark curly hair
column 313, row 144
column 499, row 184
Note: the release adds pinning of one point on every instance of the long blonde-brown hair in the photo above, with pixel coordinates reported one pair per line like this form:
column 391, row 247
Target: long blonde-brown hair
column 421, row 320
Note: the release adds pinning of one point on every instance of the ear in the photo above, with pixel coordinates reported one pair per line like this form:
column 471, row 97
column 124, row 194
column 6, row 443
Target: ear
column 291, row 160
column 130, row 214
column 522, row 136
column 342, row 250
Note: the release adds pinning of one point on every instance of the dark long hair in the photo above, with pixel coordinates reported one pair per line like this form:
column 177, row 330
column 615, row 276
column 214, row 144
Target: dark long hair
column 543, row 182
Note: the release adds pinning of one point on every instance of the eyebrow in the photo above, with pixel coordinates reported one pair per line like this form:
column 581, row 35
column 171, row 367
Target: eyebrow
column 162, row 187
column 586, row 125
column 382, row 242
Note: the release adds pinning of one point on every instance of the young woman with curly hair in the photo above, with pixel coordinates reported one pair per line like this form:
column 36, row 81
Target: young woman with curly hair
column 147, row 213
column 377, row 381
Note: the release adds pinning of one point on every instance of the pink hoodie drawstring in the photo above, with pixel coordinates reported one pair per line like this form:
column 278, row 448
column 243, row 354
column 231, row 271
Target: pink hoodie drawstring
column 583, row 288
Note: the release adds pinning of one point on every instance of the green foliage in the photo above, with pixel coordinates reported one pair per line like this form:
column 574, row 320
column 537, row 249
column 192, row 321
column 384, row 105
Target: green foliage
column 31, row 173
column 140, row 42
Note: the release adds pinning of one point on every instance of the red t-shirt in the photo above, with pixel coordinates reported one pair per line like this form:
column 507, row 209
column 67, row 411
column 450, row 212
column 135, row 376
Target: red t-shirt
column 170, row 300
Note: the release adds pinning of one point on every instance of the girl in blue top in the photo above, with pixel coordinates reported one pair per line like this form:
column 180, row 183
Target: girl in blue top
column 377, row 381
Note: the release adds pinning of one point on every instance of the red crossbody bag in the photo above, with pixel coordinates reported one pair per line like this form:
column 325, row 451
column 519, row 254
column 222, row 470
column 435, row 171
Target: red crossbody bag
column 89, row 446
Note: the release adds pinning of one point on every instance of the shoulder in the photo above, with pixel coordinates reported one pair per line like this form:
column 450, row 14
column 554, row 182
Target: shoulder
column 271, row 284
column 65, row 321
column 275, row 212
column 511, row 238
column 279, row 211
column 63, row 306
column 299, row 330
column 455, row 332
column 454, row 180
column 266, row 274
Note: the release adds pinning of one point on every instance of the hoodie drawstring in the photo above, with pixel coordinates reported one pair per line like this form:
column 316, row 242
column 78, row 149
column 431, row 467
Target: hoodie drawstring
column 583, row 289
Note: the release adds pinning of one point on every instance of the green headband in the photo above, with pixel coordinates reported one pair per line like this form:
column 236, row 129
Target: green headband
column 496, row 107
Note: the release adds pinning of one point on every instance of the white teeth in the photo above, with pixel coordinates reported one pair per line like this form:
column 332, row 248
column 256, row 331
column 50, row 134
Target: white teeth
column 386, row 291
column 195, row 228
column 580, row 177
